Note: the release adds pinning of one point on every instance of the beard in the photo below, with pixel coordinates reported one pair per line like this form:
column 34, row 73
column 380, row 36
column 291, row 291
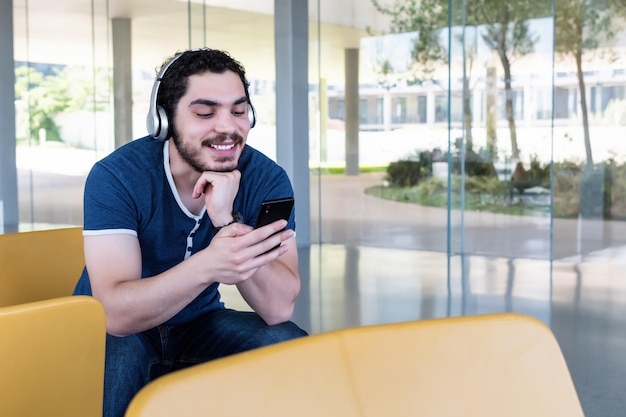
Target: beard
column 192, row 156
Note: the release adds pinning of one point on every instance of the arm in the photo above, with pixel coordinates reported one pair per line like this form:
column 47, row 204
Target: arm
column 270, row 287
column 273, row 289
column 133, row 304
column 268, row 281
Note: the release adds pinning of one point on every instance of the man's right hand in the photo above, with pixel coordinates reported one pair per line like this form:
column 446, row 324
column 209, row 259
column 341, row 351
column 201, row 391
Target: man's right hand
column 220, row 190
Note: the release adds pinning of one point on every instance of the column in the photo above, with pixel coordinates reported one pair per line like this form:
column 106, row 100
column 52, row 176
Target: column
column 352, row 110
column 291, row 39
column 9, row 214
column 122, row 81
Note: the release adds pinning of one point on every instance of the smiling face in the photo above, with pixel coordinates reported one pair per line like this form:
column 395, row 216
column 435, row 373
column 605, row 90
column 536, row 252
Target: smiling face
column 211, row 121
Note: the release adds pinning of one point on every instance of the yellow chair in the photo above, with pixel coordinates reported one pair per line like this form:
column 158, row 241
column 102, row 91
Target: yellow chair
column 39, row 265
column 489, row 366
column 52, row 358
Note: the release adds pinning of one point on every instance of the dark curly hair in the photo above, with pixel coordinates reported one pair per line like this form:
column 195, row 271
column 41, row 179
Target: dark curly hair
column 174, row 82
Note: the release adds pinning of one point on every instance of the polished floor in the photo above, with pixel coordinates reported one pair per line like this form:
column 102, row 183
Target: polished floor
column 584, row 302
column 383, row 262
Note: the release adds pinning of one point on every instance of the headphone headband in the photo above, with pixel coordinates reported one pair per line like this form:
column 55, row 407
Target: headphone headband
column 157, row 122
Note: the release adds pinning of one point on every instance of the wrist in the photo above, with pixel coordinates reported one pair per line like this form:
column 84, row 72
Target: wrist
column 235, row 218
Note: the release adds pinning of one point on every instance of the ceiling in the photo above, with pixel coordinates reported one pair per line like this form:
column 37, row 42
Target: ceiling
column 64, row 31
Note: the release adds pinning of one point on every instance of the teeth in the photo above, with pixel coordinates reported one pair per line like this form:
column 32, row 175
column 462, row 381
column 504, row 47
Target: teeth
column 223, row 147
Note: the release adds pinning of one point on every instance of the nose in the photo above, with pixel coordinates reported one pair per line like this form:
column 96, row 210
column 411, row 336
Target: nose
column 225, row 121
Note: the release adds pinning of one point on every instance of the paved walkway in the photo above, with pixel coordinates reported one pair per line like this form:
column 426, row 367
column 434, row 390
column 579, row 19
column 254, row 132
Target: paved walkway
column 344, row 206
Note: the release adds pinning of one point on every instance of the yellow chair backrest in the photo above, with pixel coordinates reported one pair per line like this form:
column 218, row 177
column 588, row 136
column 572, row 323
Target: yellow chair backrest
column 39, row 265
column 52, row 358
column 487, row 365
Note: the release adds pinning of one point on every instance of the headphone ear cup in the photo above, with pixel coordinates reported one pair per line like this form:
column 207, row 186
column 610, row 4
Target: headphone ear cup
column 162, row 133
column 251, row 115
column 153, row 123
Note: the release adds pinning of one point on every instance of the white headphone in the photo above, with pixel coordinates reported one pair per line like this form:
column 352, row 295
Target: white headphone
column 157, row 123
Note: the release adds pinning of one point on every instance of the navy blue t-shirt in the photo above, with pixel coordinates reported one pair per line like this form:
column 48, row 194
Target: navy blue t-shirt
column 132, row 191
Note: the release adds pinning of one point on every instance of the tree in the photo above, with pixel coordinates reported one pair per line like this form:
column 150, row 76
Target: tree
column 581, row 27
column 32, row 98
column 426, row 17
column 42, row 97
column 506, row 33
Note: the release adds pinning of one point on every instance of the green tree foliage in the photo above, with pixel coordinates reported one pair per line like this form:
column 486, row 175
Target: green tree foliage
column 42, row 97
column 426, row 17
column 32, row 99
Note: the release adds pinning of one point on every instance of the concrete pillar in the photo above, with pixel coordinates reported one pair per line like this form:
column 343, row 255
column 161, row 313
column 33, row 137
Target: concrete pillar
column 352, row 110
column 291, row 38
column 9, row 214
column 388, row 111
column 122, row 81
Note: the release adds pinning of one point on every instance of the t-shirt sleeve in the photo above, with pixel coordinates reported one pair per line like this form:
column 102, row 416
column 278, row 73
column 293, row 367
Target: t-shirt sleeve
column 273, row 184
column 108, row 206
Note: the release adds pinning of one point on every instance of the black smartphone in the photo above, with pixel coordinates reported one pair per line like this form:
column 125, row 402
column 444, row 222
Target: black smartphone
column 272, row 210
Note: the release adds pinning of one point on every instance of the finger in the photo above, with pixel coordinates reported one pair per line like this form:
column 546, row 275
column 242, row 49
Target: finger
column 273, row 242
column 272, row 228
column 198, row 188
column 270, row 249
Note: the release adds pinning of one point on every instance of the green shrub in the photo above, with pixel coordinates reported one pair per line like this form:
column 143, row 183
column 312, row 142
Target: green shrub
column 403, row 173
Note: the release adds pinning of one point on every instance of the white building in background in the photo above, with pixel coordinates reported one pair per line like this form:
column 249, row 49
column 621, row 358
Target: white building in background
column 545, row 96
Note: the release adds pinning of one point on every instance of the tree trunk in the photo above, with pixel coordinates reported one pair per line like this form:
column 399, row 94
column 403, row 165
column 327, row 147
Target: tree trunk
column 506, row 67
column 491, row 120
column 583, row 107
column 510, row 114
column 467, row 112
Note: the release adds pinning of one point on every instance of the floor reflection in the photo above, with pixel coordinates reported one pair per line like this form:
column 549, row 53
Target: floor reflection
column 583, row 300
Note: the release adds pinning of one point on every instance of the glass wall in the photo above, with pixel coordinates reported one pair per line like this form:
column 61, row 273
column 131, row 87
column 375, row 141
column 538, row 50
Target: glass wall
column 489, row 131
column 63, row 106
column 468, row 134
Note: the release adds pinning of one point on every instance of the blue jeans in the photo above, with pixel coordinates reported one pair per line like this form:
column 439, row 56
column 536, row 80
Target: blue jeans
column 133, row 361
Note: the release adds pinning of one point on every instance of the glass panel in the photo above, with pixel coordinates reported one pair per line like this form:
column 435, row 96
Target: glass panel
column 63, row 106
column 360, row 202
column 506, row 155
column 590, row 104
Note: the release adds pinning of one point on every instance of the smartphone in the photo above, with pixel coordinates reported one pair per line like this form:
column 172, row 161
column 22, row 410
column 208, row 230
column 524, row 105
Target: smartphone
column 272, row 210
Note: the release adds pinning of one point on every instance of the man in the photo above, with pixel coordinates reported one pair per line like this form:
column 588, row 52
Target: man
column 169, row 219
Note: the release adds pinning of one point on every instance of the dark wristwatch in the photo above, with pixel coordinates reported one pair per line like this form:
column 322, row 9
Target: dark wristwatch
column 237, row 218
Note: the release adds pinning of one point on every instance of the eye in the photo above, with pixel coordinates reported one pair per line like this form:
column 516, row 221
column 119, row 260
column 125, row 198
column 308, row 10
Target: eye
column 239, row 110
column 203, row 111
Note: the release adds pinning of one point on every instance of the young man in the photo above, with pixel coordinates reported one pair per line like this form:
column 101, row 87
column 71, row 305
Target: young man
column 169, row 219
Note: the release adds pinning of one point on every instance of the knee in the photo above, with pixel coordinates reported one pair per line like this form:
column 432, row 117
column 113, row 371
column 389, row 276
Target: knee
column 280, row 333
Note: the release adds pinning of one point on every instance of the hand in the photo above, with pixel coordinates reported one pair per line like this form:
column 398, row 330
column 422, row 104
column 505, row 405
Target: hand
column 220, row 190
column 238, row 250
